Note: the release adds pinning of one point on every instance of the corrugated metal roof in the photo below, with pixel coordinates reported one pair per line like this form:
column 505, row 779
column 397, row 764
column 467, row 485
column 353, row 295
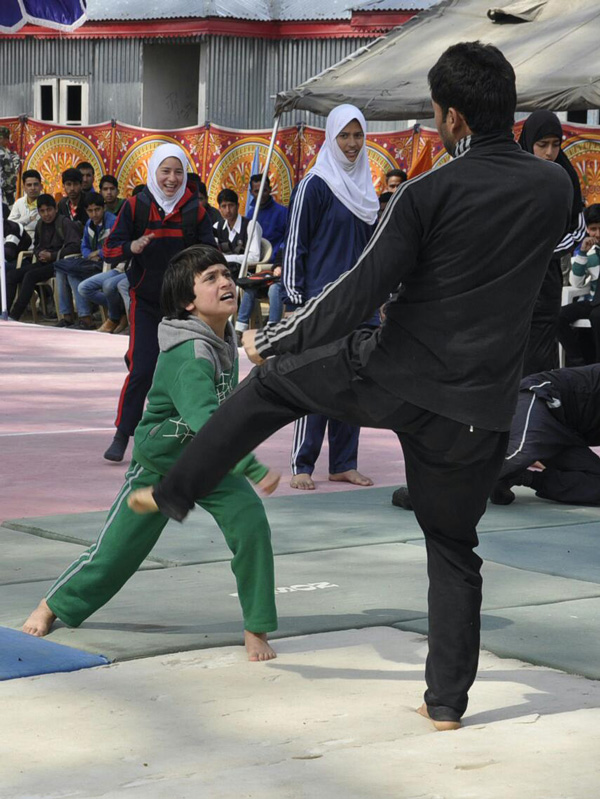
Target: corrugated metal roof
column 394, row 5
column 257, row 10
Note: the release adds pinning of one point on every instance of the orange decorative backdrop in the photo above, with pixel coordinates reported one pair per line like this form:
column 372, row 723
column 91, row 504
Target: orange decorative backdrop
column 223, row 157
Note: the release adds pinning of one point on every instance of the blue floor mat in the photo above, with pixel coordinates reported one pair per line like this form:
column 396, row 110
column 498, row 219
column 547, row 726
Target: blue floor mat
column 23, row 655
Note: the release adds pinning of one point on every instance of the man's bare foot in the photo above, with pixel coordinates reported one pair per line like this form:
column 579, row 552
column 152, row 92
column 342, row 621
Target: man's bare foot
column 40, row 621
column 142, row 501
column 302, row 481
column 257, row 646
column 441, row 726
column 351, row 476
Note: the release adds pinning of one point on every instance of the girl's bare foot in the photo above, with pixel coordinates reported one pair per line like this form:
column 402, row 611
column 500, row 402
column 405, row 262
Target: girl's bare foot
column 257, row 646
column 40, row 621
column 441, row 726
column 351, row 476
column 302, row 481
column 142, row 501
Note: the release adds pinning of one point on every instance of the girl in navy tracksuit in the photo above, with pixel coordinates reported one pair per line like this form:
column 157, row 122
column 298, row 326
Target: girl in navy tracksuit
column 333, row 211
column 169, row 201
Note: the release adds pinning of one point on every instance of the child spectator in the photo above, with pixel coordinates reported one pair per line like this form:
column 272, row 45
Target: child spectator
column 585, row 266
column 196, row 369
column 160, row 221
column 87, row 176
column 109, row 189
column 70, row 272
column 54, row 237
column 16, row 239
column 394, row 178
column 231, row 232
column 25, row 210
column 72, row 206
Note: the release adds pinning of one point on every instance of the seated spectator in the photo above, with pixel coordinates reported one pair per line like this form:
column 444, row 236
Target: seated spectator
column 71, row 206
column 16, row 239
column 10, row 166
column 394, row 178
column 384, row 199
column 252, row 294
column 556, row 422
column 273, row 220
column 231, row 232
column 55, row 236
column 585, row 269
column 87, row 177
column 271, row 215
column 109, row 189
column 25, row 210
column 70, row 272
column 212, row 212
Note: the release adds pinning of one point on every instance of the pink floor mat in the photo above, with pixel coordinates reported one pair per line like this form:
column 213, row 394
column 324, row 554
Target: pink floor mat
column 58, row 395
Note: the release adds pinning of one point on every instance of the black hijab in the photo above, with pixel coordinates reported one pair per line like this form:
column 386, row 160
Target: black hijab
column 539, row 125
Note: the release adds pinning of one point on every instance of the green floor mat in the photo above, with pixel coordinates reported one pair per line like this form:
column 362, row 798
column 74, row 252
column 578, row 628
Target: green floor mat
column 174, row 609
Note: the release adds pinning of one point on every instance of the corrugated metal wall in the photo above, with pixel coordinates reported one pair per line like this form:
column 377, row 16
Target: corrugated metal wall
column 114, row 69
column 243, row 73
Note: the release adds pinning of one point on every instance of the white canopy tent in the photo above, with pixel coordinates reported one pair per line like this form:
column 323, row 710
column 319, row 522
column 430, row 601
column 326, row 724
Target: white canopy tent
column 552, row 44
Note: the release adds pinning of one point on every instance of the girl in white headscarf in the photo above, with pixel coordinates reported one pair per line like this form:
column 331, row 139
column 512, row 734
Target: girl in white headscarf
column 148, row 232
column 333, row 212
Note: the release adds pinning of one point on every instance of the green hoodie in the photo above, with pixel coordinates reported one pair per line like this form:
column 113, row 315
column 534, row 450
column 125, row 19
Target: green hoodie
column 195, row 371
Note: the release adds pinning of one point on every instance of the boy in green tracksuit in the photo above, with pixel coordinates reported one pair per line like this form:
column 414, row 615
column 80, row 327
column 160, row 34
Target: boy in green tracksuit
column 196, row 369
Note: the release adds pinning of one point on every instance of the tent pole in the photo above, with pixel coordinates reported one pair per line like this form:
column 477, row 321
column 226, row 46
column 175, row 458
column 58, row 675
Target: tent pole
column 4, row 314
column 265, row 174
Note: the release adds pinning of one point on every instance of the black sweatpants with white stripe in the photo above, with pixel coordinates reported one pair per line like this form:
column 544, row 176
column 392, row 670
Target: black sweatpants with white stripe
column 450, row 470
column 572, row 472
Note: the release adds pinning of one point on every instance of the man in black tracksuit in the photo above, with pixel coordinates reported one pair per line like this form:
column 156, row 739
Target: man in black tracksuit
column 556, row 422
column 469, row 243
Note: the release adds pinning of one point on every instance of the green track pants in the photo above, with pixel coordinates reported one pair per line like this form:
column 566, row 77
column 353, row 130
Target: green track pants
column 127, row 538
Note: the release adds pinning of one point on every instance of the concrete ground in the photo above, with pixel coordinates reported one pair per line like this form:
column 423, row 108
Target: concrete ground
column 179, row 712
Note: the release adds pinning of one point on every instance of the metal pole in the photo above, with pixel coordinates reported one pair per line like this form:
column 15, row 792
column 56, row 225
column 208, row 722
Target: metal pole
column 252, row 226
column 4, row 314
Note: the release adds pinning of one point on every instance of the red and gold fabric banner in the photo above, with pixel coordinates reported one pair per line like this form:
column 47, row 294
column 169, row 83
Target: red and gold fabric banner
column 224, row 157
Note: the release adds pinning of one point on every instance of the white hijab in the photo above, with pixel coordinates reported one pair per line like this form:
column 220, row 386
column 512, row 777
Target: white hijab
column 161, row 153
column 350, row 181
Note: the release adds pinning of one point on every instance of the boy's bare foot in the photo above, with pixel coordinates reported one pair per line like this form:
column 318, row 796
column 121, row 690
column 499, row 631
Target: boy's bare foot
column 142, row 501
column 441, row 726
column 257, row 646
column 40, row 621
column 351, row 476
column 302, row 481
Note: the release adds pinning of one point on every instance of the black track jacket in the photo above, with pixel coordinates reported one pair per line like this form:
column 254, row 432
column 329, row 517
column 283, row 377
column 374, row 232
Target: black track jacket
column 469, row 242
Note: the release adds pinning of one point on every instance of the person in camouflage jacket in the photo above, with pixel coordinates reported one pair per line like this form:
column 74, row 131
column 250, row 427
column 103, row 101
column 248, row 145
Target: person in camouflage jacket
column 10, row 164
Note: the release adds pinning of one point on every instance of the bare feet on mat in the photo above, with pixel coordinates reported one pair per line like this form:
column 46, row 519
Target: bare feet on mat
column 351, row 476
column 142, row 501
column 40, row 621
column 257, row 646
column 441, row 726
column 304, row 482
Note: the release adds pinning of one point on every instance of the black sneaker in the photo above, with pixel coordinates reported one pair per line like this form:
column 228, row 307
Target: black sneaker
column 501, row 493
column 116, row 451
column 401, row 498
column 64, row 322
